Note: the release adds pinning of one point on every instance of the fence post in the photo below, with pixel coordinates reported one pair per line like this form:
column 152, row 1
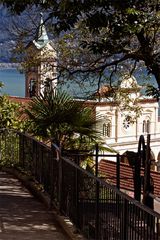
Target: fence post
column 96, row 166
column 21, row 150
column 56, row 176
column 148, row 185
column 52, row 175
column 118, row 171
column 60, row 180
column 57, row 155
column 97, row 197
column 124, row 221
column 97, row 211
column 77, row 195
column 137, row 179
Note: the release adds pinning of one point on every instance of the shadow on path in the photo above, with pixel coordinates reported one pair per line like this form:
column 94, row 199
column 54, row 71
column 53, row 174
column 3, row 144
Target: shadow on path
column 22, row 217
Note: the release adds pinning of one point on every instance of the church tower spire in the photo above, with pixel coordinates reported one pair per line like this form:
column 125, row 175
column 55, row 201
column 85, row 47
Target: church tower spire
column 41, row 38
column 41, row 74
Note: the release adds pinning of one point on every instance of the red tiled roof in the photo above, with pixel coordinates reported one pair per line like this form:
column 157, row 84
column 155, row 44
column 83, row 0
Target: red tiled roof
column 108, row 170
column 19, row 99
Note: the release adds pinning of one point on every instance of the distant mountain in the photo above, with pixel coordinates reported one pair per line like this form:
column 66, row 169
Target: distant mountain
column 10, row 25
column 6, row 41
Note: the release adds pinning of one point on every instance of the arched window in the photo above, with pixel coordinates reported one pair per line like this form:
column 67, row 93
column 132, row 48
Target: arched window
column 104, row 129
column 47, row 85
column 144, row 126
column 107, row 129
column 32, row 88
column 148, row 126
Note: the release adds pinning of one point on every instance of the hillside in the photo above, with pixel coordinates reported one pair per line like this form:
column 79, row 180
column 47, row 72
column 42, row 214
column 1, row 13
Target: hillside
column 11, row 28
column 6, row 40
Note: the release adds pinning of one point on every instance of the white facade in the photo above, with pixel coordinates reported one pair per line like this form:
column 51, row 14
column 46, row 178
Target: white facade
column 121, row 134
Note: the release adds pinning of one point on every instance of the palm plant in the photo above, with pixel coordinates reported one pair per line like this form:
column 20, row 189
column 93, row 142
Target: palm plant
column 56, row 116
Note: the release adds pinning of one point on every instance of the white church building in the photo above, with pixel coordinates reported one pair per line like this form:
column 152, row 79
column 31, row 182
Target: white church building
column 118, row 131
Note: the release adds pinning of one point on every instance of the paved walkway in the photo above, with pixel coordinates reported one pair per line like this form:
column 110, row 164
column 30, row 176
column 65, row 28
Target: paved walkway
column 22, row 217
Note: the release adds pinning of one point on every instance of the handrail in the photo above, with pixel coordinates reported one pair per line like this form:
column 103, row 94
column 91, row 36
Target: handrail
column 101, row 181
column 96, row 207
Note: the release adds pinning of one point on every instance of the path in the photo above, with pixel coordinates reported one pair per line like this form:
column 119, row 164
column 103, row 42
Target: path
column 22, row 217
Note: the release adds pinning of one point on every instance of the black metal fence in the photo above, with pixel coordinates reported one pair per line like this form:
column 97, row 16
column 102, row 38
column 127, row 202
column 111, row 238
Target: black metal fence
column 99, row 210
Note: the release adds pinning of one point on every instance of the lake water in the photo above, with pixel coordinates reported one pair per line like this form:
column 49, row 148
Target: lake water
column 14, row 82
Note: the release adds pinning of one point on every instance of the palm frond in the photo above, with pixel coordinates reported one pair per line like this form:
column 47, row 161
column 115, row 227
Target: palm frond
column 56, row 115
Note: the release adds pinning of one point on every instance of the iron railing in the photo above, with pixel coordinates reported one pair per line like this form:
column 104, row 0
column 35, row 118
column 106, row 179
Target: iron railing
column 99, row 210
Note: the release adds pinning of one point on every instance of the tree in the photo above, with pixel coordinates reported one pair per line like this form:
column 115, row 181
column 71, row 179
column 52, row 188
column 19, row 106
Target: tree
column 123, row 32
column 57, row 117
column 9, row 114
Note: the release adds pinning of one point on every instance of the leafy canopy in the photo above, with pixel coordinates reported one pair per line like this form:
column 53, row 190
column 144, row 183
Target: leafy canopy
column 9, row 114
column 118, row 33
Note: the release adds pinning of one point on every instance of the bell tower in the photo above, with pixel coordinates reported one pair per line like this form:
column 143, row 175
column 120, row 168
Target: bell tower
column 40, row 64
